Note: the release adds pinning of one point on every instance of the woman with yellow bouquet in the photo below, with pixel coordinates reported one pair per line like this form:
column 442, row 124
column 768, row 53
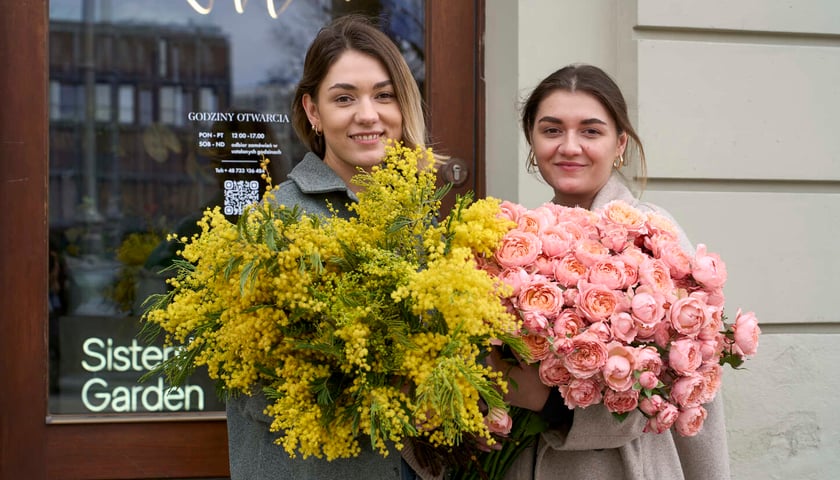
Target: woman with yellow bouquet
column 356, row 92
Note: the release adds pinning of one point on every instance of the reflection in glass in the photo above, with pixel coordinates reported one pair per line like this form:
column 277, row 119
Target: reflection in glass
column 157, row 112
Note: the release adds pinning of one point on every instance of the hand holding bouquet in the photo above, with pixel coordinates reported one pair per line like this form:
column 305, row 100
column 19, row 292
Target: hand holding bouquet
column 616, row 312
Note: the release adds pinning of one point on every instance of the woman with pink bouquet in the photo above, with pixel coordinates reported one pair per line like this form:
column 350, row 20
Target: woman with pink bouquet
column 577, row 126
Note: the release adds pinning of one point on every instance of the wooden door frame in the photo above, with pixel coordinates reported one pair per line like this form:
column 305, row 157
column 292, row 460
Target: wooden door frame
column 29, row 446
column 23, row 239
column 452, row 73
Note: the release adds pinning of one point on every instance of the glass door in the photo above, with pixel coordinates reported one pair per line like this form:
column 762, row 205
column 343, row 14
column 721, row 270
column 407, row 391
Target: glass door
column 156, row 109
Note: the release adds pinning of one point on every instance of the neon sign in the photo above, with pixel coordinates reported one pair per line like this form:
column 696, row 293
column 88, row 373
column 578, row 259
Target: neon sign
column 239, row 5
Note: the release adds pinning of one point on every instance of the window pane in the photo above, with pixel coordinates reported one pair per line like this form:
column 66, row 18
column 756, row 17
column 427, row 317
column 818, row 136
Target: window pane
column 169, row 87
column 126, row 104
column 103, row 102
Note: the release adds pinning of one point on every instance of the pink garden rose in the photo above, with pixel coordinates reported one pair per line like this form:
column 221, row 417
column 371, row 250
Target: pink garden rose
column 623, row 327
column 746, row 332
column 711, row 349
column 657, row 223
column 657, row 242
column 647, row 307
column 648, row 380
column 596, row 302
column 655, row 274
column 713, row 377
column 663, row 333
column 511, row 210
column 552, row 371
column 570, row 296
column 688, row 315
column 621, row 213
column 716, row 297
column 515, row 277
column 568, row 323
column 540, row 296
column 648, row 360
column 601, row 331
column 569, row 270
column 590, row 251
column 679, row 263
column 619, row 367
column 633, row 255
column 614, row 237
column 690, row 421
column 581, row 392
column 663, row 420
column 534, row 322
column 539, row 347
column 582, row 217
column 689, row 390
column 621, row 402
column 563, row 345
column 557, row 241
column 544, row 265
column 498, row 421
column 652, row 405
column 685, row 356
column 535, row 221
column 711, row 330
column 518, row 249
column 609, row 273
column 587, row 358
column 708, row 268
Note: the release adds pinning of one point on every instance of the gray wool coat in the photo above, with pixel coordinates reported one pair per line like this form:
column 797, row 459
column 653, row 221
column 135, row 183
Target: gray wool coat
column 598, row 447
column 252, row 451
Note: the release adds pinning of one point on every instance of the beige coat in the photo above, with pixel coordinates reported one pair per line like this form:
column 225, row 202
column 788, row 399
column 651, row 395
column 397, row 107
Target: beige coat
column 598, row 447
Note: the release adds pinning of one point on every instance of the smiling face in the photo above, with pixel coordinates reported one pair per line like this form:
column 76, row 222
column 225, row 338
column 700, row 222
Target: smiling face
column 356, row 110
column 575, row 142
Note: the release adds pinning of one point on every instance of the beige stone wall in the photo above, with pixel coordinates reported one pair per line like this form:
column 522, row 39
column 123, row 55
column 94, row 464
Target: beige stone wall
column 737, row 103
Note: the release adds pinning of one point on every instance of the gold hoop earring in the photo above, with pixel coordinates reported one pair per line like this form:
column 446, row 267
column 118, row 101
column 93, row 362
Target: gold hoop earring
column 315, row 129
column 618, row 162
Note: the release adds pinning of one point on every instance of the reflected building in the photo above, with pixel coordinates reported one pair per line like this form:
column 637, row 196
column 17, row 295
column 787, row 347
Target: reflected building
column 126, row 168
column 121, row 149
column 129, row 165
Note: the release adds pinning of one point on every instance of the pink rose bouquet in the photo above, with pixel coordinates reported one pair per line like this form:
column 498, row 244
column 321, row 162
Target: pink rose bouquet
column 616, row 312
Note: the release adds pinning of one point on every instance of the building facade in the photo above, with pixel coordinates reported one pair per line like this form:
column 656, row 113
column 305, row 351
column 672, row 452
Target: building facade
column 734, row 102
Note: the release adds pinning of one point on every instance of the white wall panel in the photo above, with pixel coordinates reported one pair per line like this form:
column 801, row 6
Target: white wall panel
column 736, row 102
column 780, row 249
column 781, row 411
column 724, row 110
column 807, row 16
column 503, row 140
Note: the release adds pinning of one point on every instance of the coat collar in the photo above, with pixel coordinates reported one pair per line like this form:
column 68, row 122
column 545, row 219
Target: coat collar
column 614, row 189
column 313, row 176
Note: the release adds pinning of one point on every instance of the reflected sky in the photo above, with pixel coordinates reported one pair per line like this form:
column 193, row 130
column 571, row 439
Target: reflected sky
column 262, row 47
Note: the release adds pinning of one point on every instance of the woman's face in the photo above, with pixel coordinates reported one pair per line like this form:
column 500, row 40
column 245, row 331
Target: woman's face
column 575, row 142
column 356, row 110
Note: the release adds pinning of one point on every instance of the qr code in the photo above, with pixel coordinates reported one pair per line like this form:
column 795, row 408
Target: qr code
column 239, row 194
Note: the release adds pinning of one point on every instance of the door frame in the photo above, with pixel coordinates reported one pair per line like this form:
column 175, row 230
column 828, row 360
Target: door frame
column 31, row 446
